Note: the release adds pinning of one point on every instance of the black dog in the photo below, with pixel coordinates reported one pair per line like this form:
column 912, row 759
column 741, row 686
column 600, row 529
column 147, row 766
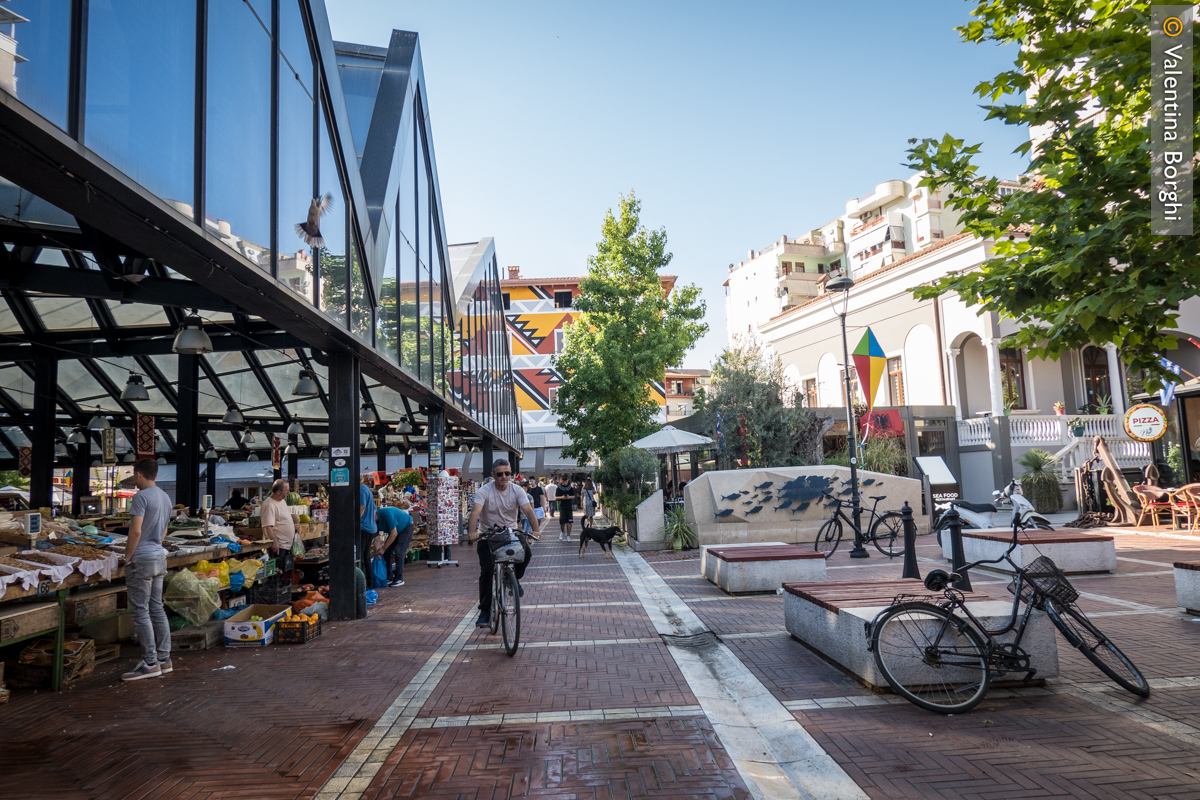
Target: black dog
column 601, row 536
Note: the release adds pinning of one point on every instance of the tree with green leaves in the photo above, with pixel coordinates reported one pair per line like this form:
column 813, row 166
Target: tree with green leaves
column 761, row 421
column 629, row 330
column 1090, row 271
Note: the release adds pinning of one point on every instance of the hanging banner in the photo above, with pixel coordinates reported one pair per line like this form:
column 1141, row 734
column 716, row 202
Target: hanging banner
column 25, row 461
column 143, row 434
column 276, row 461
column 881, row 423
column 108, row 446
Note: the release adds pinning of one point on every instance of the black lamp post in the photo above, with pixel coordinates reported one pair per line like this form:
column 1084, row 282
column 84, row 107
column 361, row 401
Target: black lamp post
column 841, row 285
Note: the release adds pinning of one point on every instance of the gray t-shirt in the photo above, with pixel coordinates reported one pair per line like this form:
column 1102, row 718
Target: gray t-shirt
column 153, row 505
column 500, row 508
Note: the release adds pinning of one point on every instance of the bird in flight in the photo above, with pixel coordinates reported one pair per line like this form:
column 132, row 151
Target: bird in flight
column 310, row 229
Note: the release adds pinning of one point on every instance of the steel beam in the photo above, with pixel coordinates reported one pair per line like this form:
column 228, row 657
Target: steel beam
column 344, row 378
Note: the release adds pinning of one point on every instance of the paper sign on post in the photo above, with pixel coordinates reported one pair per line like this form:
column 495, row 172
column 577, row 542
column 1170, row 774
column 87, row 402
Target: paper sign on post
column 340, row 452
column 339, row 476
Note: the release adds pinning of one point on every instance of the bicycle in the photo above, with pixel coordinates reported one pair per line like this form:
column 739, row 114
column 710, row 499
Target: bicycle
column 508, row 548
column 936, row 654
column 886, row 531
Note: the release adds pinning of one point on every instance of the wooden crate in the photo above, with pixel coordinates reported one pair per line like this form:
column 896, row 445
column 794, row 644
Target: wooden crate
column 26, row 620
column 89, row 604
column 198, row 637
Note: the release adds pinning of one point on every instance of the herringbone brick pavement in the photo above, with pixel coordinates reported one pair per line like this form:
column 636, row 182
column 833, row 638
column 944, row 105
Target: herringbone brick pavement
column 667, row 758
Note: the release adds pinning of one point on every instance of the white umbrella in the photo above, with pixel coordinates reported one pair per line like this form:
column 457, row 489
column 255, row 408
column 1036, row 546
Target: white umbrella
column 672, row 440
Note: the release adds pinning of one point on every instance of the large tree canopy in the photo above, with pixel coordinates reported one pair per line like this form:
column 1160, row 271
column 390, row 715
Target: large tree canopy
column 1090, row 270
column 628, row 332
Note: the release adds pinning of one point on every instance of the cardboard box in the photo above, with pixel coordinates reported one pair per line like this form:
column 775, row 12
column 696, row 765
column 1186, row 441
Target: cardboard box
column 240, row 631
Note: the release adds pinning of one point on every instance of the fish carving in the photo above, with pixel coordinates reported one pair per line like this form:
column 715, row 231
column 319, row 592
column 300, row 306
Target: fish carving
column 755, row 510
column 725, row 513
column 762, row 486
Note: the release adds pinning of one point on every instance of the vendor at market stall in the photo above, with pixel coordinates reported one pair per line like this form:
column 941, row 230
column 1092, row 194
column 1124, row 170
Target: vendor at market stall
column 277, row 518
column 145, row 569
column 396, row 524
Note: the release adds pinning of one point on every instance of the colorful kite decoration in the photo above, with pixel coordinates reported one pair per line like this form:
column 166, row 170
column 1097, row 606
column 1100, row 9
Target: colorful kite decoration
column 870, row 363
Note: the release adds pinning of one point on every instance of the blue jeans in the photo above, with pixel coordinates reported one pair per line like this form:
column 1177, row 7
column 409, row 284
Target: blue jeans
column 144, row 581
column 394, row 555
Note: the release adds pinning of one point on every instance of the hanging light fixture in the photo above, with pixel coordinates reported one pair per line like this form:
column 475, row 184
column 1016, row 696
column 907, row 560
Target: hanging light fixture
column 404, row 427
column 77, row 437
column 210, row 454
column 95, row 463
column 324, row 453
column 224, row 459
column 295, row 429
column 233, row 416
column 370, row 445
column 248, row 437
column 393, row 450
column 252, row 457
column 128, row 459
column 367, row 415
column 291, row 450
column 412, row 451
column 191, row 339
column 462, row 448
column 99, row 422
column 162, row 460
column 135, row 389
column 60, row 449
column 305, row 386
column 476, row 449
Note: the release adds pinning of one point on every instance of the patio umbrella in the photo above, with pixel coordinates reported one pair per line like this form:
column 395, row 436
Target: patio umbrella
column 670, row 441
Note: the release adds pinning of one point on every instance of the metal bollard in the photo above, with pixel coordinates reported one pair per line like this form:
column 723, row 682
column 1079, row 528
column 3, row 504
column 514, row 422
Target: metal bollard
column 910, row 543
column 958, row 559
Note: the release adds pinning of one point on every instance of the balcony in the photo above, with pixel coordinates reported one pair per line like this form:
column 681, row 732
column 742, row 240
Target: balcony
column 867, row 225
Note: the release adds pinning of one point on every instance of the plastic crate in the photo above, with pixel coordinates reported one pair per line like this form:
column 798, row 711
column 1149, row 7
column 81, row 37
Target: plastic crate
column 296, row 631
column 270, row 593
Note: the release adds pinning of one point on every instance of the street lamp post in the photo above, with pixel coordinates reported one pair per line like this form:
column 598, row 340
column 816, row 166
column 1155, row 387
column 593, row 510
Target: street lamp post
column 841, row 285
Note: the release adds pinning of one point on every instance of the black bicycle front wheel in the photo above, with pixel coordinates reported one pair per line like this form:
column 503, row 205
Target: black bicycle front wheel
column 497, row 604
column 510, row 618
column 887, row 534
column 1096, row 647
column 828, row 537
column 931, row 657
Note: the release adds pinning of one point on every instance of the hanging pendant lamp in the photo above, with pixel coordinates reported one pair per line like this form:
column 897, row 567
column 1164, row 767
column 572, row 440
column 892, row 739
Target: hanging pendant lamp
column 252, row 457
column 98, row 422
column 191, row 339
column 367, row 416
column 77, row 437
column 324, row 454
column 233, row 416
column 224, row 459
column 305, row 385
column 210, row 454
column 295, row 429
column 135, row 389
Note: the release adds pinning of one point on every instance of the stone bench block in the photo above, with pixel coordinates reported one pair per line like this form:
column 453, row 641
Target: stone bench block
column 1187, row 585
column 740, row 568
column 1073, row 553
column 839, row 632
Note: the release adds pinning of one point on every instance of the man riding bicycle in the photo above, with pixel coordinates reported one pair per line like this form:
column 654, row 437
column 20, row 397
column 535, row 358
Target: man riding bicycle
column 496, row 505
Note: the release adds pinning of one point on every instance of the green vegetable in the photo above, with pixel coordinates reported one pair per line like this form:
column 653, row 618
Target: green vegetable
column 293, row 499
column 256, row 619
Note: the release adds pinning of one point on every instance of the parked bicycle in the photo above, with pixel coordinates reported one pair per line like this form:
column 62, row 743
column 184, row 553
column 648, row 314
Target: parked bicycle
column 886, row 530
column 938, row 655
column 508, row 548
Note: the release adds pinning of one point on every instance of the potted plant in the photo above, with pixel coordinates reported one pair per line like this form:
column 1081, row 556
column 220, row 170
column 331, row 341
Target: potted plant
column 1010, row 398
column 1076, row 426
column 679, row 531
column 1040, row 483
column 1060, row 407
column 1103, row 403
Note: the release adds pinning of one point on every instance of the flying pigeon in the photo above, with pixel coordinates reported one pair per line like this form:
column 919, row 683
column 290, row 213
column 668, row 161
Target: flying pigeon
column 782, row 505
column 310, row 229
column 755, row 510
column 725, row 513
column 766, row 485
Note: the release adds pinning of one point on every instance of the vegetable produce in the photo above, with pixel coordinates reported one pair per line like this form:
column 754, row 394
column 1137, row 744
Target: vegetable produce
column 256, row 618
column 305, row 519
column 293, row 499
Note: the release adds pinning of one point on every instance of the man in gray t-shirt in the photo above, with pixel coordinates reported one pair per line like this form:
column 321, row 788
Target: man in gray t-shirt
column 145, row 569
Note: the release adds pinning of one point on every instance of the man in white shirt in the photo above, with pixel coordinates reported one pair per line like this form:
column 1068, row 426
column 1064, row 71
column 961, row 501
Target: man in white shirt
column 497, row 504
column 277, row 518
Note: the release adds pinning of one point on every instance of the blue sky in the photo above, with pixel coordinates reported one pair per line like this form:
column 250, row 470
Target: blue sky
column 735, row 123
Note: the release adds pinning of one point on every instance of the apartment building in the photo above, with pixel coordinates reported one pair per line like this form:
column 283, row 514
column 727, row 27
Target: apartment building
column 681, row 387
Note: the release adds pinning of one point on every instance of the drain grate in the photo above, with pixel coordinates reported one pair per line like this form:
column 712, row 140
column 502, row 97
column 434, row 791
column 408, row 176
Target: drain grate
column 692, row 640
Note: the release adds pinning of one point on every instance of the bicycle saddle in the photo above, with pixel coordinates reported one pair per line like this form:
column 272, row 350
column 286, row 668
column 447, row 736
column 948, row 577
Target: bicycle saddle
column 978, row 508
column 937, row 580
column 878, row 499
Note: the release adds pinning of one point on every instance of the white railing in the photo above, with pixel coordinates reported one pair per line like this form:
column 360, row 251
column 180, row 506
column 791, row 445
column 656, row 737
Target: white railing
column 974, row 432
column 1128, row 453
column 1034, row 431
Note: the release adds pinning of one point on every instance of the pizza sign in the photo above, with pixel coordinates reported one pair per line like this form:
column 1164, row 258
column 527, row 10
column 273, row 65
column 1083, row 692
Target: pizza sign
column 1146, row 423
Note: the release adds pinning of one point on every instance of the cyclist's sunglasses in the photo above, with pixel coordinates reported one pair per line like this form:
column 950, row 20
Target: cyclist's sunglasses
column 502, row 474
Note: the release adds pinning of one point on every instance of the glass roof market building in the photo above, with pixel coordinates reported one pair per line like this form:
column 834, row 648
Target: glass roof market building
column 227, row 160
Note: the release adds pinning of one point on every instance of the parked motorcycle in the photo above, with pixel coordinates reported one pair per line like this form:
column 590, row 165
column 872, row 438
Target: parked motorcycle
column 978, row 516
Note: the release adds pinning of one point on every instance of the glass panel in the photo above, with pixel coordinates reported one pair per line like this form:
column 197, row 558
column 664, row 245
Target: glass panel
column 296, row 114
column 168, row 366
column 308, row 408
column 64, row 313
column 76, row 382
column 209, row 402
column 43, row 45
column 269, row 357
column 244, row 388
column 360, row 306
column 28, row 207
column 238, row 156
column 141, row 89
column 8, row 323
column 284, row 376
column 386, row 338
column 222, row 440
column 133, row 314
column 332, row 256
column 18, row 385
column 424, row 274
column 52, row 257
column 360, row 84
column 407, row 242
column 229, row 361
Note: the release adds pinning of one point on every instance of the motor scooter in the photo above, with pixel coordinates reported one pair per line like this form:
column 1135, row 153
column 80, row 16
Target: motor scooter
column 978, row 516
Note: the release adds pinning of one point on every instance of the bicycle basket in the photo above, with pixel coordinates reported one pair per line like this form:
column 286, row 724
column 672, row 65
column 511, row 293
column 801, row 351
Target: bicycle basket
column 1047, row 579
column 506, row 548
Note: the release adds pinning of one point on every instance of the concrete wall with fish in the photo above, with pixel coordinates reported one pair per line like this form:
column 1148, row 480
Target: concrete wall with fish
column 787, row 504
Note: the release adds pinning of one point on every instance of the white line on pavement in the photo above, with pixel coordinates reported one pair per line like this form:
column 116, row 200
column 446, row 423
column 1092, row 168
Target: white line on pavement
column 575, row 643
column 772, row 752
column 542, row 717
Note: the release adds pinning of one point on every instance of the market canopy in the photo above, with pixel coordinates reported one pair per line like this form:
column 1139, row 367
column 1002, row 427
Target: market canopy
column 672, row 440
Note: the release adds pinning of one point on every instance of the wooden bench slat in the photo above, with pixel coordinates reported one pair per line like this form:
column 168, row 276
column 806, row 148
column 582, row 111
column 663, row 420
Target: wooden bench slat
column 836, row 595
column 788, row 552
column 1192, row 565
column 1037, row 537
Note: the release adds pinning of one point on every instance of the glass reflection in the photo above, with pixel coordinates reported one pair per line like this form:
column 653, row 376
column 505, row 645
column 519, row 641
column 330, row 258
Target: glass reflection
column 386, row 316
column 296, row 115
column 407, row 240
column 360, row 307
column 238, row 110
column 425, row 278
column 331, row 253
column 38, row 33
column 141, row 89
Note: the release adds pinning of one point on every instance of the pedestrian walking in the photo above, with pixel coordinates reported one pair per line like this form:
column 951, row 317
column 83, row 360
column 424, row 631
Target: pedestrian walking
column 145, row 569
column 566, row 507
column 589, row 503
column 537, row 497
column 551, row 491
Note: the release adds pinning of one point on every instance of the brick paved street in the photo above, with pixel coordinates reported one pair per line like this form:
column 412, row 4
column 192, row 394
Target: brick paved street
column 416, row 702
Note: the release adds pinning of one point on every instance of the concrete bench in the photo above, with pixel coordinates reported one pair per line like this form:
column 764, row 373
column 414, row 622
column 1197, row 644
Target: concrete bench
column 1073, row 553
column 1187, row 585
column 738, row 569
column 704, row 548
column 829, row 617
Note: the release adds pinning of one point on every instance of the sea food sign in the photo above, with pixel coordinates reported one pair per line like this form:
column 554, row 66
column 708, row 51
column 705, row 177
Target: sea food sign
column 1146, row 423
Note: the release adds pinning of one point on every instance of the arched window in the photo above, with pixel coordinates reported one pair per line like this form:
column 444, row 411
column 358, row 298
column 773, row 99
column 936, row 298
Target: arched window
column 1095, row 377
column 1012, row 370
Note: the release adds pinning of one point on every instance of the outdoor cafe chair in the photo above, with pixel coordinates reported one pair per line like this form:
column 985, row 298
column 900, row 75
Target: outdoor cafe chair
column 1155, row 501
